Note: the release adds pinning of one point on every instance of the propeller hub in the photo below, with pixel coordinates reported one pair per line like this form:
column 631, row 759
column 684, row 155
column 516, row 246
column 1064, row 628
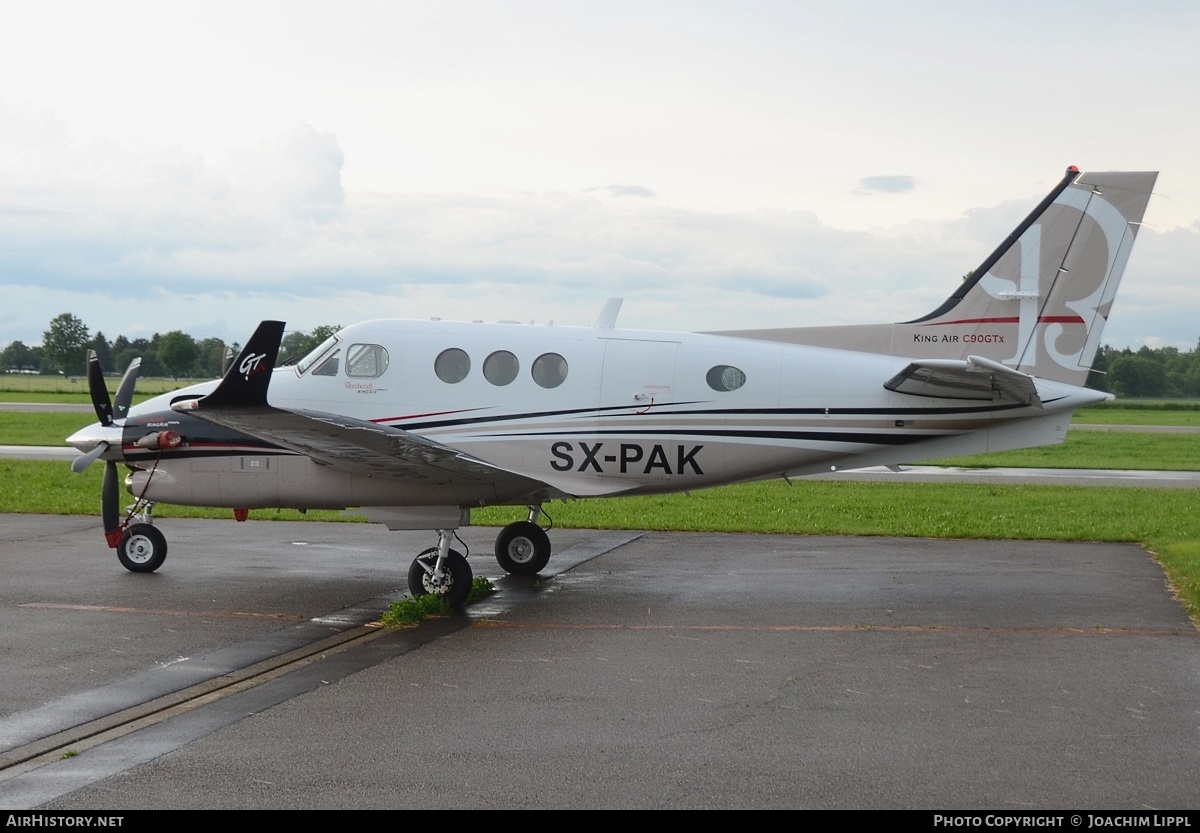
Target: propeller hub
column 88, row 439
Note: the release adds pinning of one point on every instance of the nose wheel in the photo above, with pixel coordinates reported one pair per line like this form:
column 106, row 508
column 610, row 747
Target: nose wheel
column 143, row 549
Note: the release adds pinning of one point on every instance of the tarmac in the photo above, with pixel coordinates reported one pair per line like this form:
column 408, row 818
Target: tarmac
column 657, row 670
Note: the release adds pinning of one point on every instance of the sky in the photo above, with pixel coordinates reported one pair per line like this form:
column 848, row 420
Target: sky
column 719, row 165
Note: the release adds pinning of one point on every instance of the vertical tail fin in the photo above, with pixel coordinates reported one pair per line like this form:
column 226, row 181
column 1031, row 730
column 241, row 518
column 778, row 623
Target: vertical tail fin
column 247, row 379
column 1038, row 303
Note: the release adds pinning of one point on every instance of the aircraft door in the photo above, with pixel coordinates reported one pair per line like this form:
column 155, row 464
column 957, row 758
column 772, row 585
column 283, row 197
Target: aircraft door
column 638, row 379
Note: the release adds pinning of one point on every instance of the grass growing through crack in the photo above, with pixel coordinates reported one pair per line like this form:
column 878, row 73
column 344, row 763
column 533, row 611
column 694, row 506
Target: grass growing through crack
column 411, row 611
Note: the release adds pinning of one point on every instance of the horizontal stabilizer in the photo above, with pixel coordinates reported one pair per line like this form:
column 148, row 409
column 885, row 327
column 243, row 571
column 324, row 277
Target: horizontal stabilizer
column 975, row 378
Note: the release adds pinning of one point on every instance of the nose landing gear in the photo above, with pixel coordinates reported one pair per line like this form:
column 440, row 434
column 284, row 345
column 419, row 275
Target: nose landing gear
column 143, row 549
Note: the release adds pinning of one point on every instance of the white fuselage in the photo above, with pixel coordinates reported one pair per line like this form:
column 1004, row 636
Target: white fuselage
column 629, row 412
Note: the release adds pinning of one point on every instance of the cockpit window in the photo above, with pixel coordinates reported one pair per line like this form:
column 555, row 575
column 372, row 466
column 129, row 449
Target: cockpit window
column 323, row 348
column 366, row 361
column 329, row 367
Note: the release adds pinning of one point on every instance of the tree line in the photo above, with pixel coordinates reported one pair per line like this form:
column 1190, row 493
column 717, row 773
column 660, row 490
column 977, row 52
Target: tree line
column 1162, row 372
column 66, row 341
column 1166, row 372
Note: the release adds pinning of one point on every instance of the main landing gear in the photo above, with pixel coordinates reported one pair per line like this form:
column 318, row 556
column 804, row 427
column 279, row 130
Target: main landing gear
column 522, row 548
column 441, row 571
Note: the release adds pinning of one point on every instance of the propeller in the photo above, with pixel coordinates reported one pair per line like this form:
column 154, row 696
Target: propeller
column 106, row 412
column 111, row 415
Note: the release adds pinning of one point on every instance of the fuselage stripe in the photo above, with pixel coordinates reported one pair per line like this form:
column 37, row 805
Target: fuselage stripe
column 821, row 436
column 1012, row 319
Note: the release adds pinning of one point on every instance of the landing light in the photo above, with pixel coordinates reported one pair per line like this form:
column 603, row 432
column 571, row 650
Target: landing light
column 162, row 439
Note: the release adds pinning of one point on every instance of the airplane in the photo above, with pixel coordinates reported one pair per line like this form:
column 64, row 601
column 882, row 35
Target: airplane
column 418, row 422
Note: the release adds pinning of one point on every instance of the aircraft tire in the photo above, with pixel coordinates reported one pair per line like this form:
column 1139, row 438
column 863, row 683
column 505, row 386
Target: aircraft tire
column 523, row 549
column 143, row 549
column 457, row 582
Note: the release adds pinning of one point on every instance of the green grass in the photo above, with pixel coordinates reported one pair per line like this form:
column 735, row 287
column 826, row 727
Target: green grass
column 74, row 389
column 50, row 488
column 69, row 398
column 46, row 398
column 939, row 510
column 1140, row 415
column 1097, row 450
column 1181, row 560
column 412, row 610
column 1150, row 404
column 1164, row 520
column 30, row 428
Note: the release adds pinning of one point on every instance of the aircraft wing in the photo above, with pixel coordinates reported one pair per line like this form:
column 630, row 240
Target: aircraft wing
column 354, row 445
column 359, row 446
column 974, row 378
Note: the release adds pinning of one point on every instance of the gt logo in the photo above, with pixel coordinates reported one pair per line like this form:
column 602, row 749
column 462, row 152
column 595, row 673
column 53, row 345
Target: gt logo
column 628, row 460
column 252, row 364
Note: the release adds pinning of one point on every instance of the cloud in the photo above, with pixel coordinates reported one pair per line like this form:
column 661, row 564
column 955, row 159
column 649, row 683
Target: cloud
column 790, row 286
column 625, row 191
column 887, row 184
column 137, row 239
column 298, row 173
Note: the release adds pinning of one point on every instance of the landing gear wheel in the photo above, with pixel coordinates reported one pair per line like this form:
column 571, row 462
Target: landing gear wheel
column 454, row 585
column 523, row 548
column 143, row 549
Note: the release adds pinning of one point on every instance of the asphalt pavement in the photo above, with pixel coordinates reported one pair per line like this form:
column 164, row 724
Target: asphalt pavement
column 652, row 671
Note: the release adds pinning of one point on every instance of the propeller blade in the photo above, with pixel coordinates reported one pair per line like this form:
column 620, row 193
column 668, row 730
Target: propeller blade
column 84, row 460
column 98, row 390
column 108, row 499
column 125, row 390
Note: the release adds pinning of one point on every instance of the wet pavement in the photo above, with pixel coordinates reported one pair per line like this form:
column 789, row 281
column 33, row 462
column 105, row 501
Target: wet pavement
column 657, row 670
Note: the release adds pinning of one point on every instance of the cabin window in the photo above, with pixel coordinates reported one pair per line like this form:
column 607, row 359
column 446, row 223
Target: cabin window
column 366, row 361
column 452, row 366
column 329, row 367
column 549, row 370
column 501, row 367
column 725, row 377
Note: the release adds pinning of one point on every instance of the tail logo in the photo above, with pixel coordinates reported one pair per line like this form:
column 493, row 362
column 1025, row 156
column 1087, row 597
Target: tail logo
column 1024, row 288
column 252, row 364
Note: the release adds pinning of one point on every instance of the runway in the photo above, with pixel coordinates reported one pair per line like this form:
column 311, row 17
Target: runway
column 656, row 670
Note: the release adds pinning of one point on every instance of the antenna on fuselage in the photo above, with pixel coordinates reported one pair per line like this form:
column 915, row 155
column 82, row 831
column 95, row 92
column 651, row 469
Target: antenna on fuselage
column 607, row 319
